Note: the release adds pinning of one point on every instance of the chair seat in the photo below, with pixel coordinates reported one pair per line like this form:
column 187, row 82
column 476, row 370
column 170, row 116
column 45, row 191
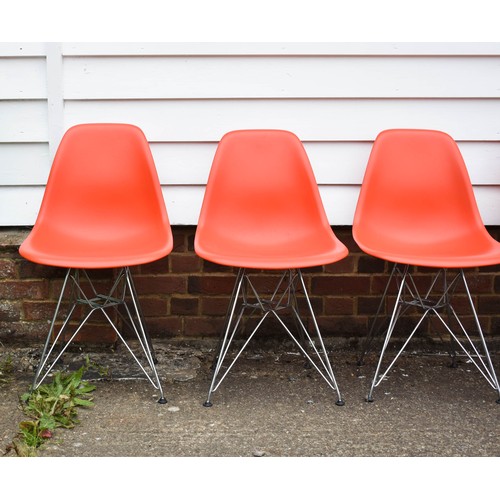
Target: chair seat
column 417, row 205
column 262, row 208
column 472, row 249
column 264, row 253
column 103, row 250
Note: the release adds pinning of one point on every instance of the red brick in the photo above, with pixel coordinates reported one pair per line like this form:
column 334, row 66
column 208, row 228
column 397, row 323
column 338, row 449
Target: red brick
column 185, row 263
column 212, row 285
column 23, row 331
column 342, row 326
column 480, row 283
column 30, row 270
column 214, row 306
column 212, row 267
column 340, row 285
column 180, row 241
column 184, row 305
column 158, row 267
column 95, row 334
column 154, row 306
column 38, row 310
column 370, row 265
column 369, row 305
column 344, row 266
column 339, row 306
column 494, row 329
column 169, row 284
column 8, row 269
column 200, row 327
column 11, row 290
column 379, row 283
column 166, row 327
column 10, row 310
column 489, row 304
column 316, row 304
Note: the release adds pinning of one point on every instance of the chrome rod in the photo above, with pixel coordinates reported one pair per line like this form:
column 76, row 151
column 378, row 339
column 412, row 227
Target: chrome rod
column 388, row 334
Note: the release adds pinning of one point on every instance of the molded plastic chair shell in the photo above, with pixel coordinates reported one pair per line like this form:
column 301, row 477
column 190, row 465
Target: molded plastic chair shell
column 262, row 207
column 103, row 206
column 417, row 208
column 262, row 210
column 417, row 205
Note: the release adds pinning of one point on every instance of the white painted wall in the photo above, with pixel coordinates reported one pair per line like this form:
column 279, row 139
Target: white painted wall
column 335, row 96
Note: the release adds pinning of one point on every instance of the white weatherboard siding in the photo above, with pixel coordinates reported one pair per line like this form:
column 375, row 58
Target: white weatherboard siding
column 335, row 96
column 225, row 77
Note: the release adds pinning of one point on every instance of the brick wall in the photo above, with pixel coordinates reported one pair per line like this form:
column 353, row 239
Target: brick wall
column 183, row 296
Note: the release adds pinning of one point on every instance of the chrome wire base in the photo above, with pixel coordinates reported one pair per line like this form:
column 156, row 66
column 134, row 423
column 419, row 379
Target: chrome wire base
column 437, row 302
column 121, row 292
column 246, row 299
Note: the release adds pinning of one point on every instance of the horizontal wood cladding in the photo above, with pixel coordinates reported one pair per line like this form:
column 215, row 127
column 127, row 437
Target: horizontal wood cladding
column 23, row 78
column 274, row 77
column 335, row 96
column 200, row 120
column 276, row 48
column 23, row 121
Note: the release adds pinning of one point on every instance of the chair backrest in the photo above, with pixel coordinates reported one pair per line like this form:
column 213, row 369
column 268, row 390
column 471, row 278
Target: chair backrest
column 104, row 182
column 261, row 185
column 416, row 188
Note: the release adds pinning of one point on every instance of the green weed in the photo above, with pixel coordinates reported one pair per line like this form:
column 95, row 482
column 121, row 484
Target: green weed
column 51, row 406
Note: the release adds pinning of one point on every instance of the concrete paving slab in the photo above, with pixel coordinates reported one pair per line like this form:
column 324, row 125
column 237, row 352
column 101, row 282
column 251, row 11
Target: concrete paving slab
column 273, row 422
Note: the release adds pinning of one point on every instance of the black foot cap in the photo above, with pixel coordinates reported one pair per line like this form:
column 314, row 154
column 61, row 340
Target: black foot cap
column 369, row 399
column 162, row 401
column 207, row 404
column 340, row 402
column 498, row 401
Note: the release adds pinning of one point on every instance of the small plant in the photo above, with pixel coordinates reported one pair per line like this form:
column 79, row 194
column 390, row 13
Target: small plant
column 51, row 406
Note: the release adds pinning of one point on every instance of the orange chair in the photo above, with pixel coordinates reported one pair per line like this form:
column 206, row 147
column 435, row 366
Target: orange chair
column 262, row 210
column 417, row 208
column 102, row 208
